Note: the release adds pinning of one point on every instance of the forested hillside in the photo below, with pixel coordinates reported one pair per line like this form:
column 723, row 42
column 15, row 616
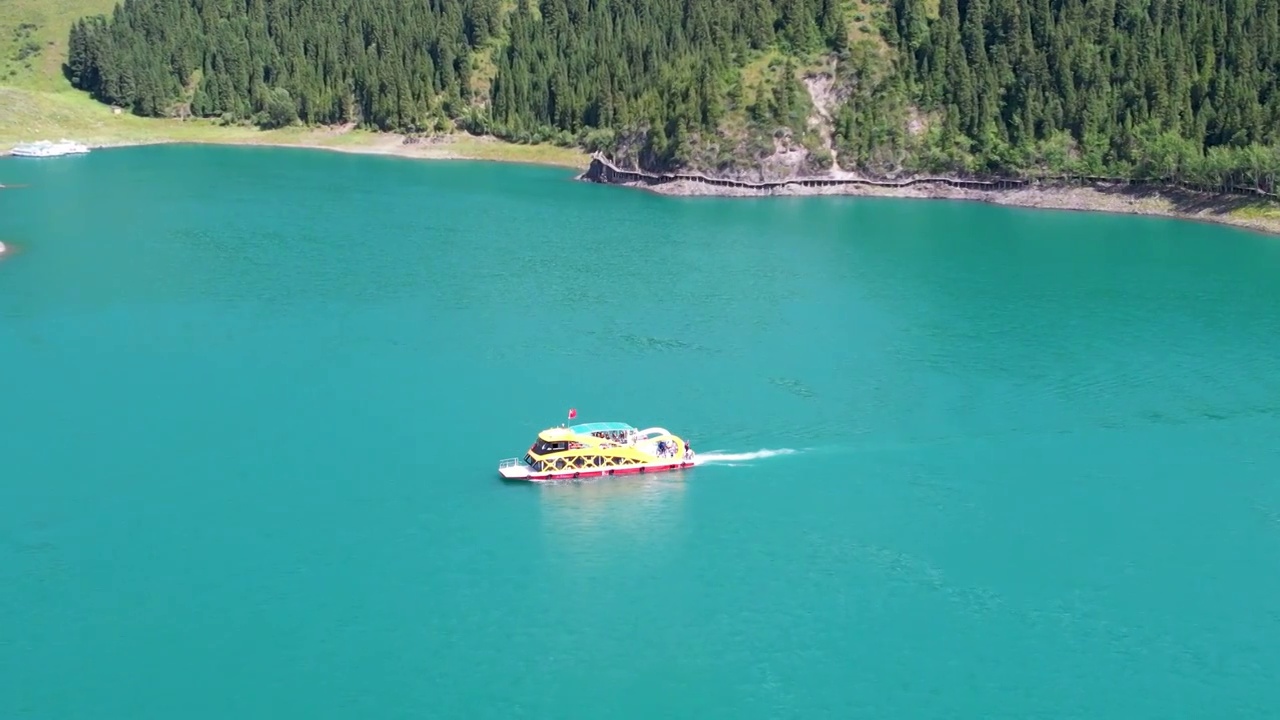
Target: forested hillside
column 1185, row 90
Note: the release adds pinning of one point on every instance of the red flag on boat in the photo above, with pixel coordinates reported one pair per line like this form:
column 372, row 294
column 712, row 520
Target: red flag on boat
column 572, row 413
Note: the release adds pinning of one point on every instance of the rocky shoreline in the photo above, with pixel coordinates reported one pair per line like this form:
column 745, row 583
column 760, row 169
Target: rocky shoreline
column 1242, row 211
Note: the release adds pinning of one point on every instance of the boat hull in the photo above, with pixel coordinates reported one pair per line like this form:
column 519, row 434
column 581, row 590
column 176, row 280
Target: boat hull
column 525, row 473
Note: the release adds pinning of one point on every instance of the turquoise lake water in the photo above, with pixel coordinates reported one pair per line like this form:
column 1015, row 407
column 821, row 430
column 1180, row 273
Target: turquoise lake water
column 253, row 402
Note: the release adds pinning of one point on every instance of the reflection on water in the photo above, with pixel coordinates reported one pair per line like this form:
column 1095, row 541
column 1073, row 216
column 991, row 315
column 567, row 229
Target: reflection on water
column 637, row 509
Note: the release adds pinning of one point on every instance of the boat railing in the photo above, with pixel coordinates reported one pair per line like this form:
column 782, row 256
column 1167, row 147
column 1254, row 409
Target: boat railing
column 509, row 462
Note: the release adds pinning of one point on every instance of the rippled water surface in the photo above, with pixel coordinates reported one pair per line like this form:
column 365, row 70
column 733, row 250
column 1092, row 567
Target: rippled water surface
column 253, row 402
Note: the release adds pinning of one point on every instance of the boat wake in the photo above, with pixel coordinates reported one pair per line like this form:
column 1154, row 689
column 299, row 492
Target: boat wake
column 717, row 457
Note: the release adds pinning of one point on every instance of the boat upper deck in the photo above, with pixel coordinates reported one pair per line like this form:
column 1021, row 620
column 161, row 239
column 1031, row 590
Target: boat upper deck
column 589, row 433
column 595, row 427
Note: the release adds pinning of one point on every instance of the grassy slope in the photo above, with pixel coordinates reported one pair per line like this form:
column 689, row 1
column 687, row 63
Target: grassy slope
column 52, row 20
column 36, row 101
column 762, row 70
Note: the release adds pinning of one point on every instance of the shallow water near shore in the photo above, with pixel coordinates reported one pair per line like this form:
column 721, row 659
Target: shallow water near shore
column 254, row 400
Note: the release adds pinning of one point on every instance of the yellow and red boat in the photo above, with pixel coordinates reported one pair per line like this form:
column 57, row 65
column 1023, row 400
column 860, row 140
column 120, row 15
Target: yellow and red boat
column 598, row 449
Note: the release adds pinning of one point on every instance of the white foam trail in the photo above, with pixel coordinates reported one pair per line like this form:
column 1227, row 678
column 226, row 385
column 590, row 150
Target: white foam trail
column 709, row 458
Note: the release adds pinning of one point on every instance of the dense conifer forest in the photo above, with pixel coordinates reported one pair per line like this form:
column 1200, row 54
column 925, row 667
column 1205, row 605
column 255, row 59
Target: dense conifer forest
column 1182, row 90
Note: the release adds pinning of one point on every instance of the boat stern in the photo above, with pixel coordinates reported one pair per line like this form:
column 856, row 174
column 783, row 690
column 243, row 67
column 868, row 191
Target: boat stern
column 514, row 469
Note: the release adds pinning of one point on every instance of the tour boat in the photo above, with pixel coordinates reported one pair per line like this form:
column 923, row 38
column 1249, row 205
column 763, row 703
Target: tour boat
column 598, row 449
column 44, row 148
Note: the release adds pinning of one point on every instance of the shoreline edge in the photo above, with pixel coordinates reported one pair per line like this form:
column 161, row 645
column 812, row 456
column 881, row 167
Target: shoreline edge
column 1247, row 212
column 1254, row 212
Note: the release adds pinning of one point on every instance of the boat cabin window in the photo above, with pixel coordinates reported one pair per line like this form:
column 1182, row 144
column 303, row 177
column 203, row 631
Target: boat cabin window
column 542, row 448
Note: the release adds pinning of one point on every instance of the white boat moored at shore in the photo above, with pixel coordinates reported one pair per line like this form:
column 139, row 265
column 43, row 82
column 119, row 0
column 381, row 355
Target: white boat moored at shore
column 45, row 148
